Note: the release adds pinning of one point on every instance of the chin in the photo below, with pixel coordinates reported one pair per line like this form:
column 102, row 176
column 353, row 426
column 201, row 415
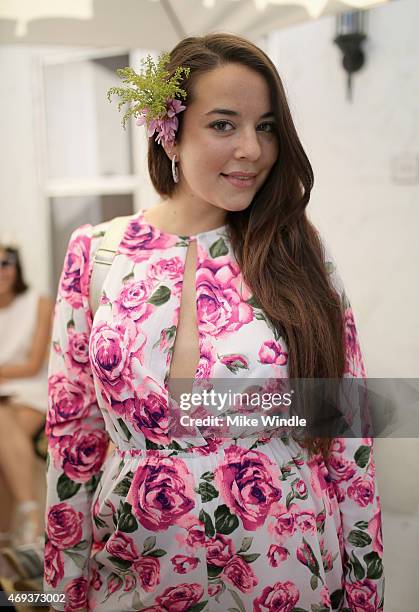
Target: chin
column 234, row 208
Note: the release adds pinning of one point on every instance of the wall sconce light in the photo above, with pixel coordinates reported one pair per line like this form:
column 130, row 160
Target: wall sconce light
column 350, row 34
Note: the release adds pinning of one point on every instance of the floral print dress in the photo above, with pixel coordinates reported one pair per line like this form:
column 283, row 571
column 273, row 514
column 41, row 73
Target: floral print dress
column 211, row 524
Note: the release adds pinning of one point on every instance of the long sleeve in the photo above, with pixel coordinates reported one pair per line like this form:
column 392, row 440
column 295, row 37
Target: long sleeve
column 352, row 470
column 77, row 440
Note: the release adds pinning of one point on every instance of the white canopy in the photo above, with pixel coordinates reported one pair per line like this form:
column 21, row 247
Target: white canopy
column 154, row 24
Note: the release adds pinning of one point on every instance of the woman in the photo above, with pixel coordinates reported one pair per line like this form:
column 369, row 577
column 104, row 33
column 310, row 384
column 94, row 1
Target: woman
column 224, row 279
column 25, row 328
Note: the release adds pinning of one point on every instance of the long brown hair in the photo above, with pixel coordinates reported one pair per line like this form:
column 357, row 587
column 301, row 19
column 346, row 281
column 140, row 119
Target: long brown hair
column 278, row 249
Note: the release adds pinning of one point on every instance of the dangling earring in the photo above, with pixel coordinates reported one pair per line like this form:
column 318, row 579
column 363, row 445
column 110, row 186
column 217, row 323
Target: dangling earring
column 175, row 172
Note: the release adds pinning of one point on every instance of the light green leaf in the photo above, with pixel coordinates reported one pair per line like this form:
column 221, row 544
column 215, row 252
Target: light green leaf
column 246, row 544
column 161, row 296
column 218, row 248
column 79, row 560
column 149, row 543
column 238, row 600
column 250, row 558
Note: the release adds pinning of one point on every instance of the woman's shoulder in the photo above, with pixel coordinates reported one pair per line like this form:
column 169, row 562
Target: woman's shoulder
column 38, row 299
column 85, row 240
column 89, row 231
column 95, row 232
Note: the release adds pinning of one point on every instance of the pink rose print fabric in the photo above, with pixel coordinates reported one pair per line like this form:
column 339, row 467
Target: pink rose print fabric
column 175, row 524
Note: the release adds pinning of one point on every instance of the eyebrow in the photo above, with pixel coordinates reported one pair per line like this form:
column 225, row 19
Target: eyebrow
column 232, row 113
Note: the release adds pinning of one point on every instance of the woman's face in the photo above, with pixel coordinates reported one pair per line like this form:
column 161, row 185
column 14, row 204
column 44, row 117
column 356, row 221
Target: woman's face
column 7, row 272
column 228, row 128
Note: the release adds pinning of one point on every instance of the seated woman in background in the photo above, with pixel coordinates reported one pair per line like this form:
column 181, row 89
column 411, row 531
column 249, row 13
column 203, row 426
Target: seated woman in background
column 25, row 328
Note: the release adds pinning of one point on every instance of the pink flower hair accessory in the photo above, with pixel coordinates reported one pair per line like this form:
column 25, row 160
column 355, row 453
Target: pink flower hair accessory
column 166, row 127
column 154, row 97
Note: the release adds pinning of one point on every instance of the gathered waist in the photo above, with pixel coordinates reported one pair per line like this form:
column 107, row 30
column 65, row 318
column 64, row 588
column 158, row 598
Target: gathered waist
column 212, row 447
column 150, row 452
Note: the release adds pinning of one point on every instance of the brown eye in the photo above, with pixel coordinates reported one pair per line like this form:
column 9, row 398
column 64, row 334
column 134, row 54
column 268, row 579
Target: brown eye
column 218, row 123
column 271, row 126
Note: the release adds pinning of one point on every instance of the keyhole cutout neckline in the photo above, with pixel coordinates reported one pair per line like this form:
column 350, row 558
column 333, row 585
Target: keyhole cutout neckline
column 187, row 309
column 141, row 217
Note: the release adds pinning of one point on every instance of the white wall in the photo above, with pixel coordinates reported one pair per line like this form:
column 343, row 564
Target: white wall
column 22, row 212
column 369, row 221
column 82, row 138
column 71, row 130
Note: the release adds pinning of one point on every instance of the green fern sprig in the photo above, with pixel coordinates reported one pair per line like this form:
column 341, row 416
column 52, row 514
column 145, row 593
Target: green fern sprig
column 149, row 89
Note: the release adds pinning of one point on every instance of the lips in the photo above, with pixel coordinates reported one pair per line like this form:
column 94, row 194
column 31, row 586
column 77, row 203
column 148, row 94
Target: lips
column 240, row 180
column 241, row 175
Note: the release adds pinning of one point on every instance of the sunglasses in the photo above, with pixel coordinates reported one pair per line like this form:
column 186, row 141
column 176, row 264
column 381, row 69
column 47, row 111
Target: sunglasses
column 8, row 261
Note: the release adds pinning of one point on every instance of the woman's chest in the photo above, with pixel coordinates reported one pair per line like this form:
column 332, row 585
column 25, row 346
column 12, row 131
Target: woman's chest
column 183, row 313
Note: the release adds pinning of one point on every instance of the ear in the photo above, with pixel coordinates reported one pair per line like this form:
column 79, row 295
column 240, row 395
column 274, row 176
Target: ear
column 171, row 151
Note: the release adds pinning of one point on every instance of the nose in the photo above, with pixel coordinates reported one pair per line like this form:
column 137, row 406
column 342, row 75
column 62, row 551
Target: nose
column 248, row 145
